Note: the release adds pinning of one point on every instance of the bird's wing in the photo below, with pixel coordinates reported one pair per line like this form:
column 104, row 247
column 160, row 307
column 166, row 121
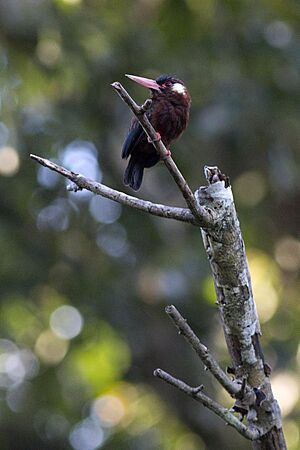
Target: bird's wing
column 135, row 134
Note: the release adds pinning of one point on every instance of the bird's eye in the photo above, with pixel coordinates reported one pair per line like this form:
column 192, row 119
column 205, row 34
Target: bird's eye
column 167, row 84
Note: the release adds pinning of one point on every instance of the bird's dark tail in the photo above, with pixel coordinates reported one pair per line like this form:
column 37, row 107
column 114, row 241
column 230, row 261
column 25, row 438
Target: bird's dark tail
column 133, row 175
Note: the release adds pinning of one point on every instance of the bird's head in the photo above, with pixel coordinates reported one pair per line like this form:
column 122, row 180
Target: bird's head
column 163, row 85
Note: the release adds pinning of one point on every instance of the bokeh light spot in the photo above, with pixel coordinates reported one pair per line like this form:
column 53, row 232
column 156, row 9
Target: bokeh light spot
column 104, row 210
column 50, row 348
column 285, row 386
column 145, row 413
column 48, row 52
column 109, row 409
column 265, row 282
column 9, row 161
column 102, row 361
column 278, row 34
column 66, row 322
column 113, row 240
column 16, row 365
column 54, row 216
column 287, row 253
column 47, row 178
column 87, row 435
column 158, row 285
column 250, row 188
column 17, row 397
column 173, row 284
column 71, row 2
column 208, row 290
column 291, row 434
column 189, row 441
column 81, row 157
column 29, row 362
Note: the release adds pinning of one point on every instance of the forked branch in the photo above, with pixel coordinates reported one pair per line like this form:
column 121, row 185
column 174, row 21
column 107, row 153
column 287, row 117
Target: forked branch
column 212, row 208
column 198, row 395
column 194, row 214
column 202, row 351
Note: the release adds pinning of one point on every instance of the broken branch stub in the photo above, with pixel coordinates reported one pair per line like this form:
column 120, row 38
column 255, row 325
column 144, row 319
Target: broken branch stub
column 225, row 250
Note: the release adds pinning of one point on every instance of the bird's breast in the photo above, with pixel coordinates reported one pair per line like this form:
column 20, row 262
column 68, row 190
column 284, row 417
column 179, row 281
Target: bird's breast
column 170, row 120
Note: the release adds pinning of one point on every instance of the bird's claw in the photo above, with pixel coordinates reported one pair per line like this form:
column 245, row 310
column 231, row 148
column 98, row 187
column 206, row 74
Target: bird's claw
column 167, row 155
column 158, row 138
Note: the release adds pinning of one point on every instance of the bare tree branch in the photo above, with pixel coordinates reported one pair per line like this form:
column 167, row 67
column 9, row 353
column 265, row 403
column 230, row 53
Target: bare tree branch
column 212, row 208
column 225, row 250
column 226, row 253
column 204, row 218
column 168, row 212
column 202, row 351
column 249, row 433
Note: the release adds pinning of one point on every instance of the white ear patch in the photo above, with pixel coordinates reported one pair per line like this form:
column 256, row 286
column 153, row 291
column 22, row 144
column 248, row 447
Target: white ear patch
column 179, row 88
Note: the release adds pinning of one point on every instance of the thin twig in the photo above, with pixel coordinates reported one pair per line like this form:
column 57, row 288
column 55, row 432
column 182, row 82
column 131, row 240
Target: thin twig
column 168, row 212
column 199, row 212
column 225, row 414
column 202, row 351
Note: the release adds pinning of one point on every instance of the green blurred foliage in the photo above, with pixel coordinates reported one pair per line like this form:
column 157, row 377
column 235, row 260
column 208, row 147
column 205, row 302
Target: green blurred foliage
column 84, row 282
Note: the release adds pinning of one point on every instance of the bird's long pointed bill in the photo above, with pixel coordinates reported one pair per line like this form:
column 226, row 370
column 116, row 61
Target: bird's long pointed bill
column 146, row 82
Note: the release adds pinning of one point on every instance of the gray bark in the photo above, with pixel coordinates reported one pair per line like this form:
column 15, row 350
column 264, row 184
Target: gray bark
column 212, row 208
column 225, row 250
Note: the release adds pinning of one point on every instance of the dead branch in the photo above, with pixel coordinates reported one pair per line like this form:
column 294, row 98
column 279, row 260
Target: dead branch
column 202, row 351
column 212, row 208
column 196, row 393
column 225, row 250
column 168, row 212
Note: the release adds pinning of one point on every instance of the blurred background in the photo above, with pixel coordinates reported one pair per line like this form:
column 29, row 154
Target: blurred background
column 84, row 281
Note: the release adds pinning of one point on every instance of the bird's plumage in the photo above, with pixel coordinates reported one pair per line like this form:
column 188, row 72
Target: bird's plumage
column 168, row 115
column 134, row 134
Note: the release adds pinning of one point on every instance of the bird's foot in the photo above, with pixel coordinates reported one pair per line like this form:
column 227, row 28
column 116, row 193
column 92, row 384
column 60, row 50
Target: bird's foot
column 158, row 138
column 167, row 155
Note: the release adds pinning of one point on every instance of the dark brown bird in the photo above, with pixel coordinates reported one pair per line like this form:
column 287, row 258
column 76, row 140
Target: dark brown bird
column 168, row 114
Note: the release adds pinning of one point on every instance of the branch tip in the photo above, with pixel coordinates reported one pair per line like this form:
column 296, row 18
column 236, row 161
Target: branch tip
column 158, row 373
column 115, row 85
column 169, row 309
column 210, row 363
column 197, row 394
column 199, row 212
column 168, row 212
column 213, row 174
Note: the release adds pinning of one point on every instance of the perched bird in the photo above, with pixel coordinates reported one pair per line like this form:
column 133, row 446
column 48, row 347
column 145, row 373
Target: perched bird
column 168, row 114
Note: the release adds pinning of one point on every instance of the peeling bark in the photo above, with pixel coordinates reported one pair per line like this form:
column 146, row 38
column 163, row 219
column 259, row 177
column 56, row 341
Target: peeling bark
column 225, row 250
column 212, row 208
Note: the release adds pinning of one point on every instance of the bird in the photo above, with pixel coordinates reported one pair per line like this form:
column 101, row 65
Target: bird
column 169, row 116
